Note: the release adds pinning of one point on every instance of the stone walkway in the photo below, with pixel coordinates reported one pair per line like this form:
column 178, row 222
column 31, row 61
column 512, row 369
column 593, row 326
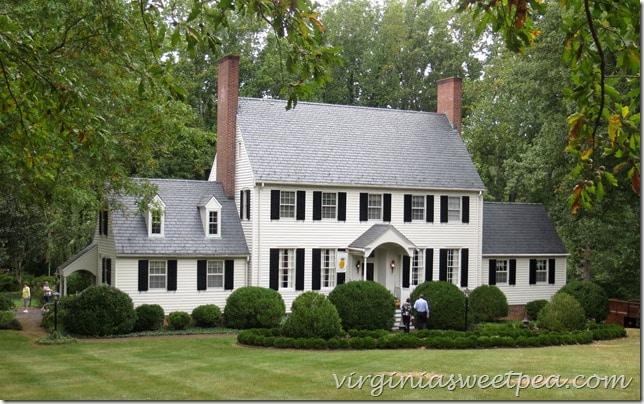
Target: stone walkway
column 31, row 322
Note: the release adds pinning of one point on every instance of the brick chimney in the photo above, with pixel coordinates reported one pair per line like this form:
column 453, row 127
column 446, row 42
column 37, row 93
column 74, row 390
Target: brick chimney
column 449, row 99
column 227, row 102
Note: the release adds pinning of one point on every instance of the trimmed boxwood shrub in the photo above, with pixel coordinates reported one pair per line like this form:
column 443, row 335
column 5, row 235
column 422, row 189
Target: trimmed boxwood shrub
column 149, row 317
column 179, row 320
column 446, row 303
column 98, row 311
column 497, row 336
column 487, row 303
column 6, row 303
column 8, row 321
column 254, row 307
column 312, row 315
column 591, row 296
column 206, row 315
column 364, row 305
column 562, row 313
column 533, row 308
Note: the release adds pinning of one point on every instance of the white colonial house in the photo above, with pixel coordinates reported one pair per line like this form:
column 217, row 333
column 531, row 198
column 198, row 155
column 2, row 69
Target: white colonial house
column 308, row 198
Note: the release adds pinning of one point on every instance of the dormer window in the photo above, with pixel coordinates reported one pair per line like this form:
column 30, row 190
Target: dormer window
column 213, row 223
column 210, row 211
column 156, row 217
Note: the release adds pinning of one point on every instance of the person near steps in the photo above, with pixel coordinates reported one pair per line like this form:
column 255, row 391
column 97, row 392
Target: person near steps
column 422, row 312
column 405, row 312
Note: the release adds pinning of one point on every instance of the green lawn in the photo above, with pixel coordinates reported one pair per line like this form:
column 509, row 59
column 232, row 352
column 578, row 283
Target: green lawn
column 216, row 368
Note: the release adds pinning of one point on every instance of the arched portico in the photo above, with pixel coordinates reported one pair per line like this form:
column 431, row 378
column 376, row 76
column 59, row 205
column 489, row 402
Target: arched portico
column 85, row 260
column 378, row 255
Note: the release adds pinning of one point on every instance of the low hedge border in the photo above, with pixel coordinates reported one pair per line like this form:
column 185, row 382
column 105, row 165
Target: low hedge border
column 492, row 336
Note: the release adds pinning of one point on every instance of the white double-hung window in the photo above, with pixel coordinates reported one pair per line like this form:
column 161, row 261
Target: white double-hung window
column 158, row 277
column 286, row 268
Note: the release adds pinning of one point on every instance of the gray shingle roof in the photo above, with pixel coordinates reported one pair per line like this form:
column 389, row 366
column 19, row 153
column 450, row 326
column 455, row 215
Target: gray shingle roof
column 344, row 145
column 183, row 233
column 519, row 229
column 374, row 232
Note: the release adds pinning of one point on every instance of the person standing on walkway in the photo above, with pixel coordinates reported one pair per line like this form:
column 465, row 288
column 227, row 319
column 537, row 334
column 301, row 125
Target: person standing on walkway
column 405, row 312
column 26, row 297
column 46, row 291
column 422, row 312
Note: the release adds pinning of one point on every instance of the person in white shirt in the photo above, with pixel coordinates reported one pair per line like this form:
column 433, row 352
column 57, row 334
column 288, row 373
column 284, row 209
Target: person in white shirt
column 46, row 290
column 422, row 312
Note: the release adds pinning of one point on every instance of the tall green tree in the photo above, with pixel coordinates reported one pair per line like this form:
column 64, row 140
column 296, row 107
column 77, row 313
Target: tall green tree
column 602, row 49
column 87, row 98
column 394, row 52
column 515, row 130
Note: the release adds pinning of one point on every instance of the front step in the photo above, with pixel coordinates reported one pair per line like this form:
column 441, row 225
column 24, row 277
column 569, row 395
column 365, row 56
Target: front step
column 398, row 324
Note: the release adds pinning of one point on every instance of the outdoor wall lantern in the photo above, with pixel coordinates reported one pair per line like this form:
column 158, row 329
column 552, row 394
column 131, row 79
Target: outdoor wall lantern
column 358, row 266
column 392, row 265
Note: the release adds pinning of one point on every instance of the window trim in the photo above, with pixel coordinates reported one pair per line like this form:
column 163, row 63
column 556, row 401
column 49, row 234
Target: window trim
column 324, row 207
column 371, row 208
column 422, row 209
column 451, row 211
column 286, row 268
column 164, row 276
column 417, row 267
column 543, row 270
column 502, row 270
column 328, row 268
column 283, row 205
column 212, row 223
column 210, row 275
column 453, row 271
column 156, row 207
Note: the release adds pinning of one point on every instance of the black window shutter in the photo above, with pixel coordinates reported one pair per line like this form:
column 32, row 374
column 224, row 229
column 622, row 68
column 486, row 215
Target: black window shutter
column 406, row 271
column 229, row 274
column 551, row 271
column 465, row 205
column 430, row 209
column 342, row 206
column 364, row 200
column 429, row 264
column 105, row 221
column 407, row 208
column 241, row 204
column 201, row 274
column 533, row 272
column 143, row 275
column 386, row 208
column 274, row 270
column 316, row 256
column 444, row 207
column 108, row 274
column 465, row 263
column 247, row 204
column 492, row 273
column 172, row 274
column 300, row 206
column 317, row 205
column 513, row 272
column 103, row 275
column 275, row 204
column 442, row 265
column 340, row 278
column 299, row 269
